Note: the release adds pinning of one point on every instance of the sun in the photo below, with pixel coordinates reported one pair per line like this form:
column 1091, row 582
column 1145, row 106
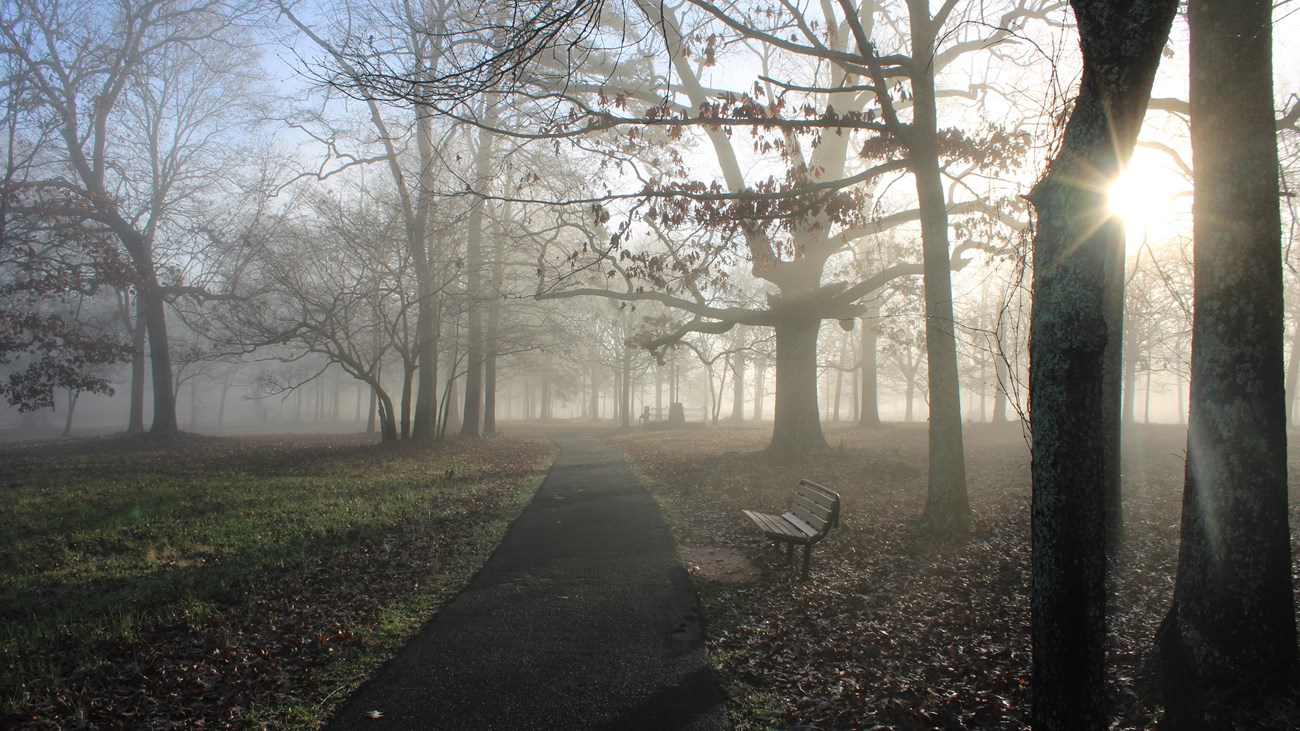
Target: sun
column 1146, row 197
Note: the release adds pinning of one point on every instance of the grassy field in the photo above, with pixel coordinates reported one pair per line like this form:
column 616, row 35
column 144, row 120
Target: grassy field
column 232, row 582
column 894, row 631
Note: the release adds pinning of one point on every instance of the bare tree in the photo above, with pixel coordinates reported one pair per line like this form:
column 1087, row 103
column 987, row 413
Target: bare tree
column 140, row 96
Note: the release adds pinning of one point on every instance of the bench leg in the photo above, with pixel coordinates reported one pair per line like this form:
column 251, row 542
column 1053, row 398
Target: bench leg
column 807, row 551
column 789, row 554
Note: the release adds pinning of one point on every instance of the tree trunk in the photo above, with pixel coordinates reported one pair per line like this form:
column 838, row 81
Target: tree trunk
column 625, row 388
column 1229, row 643
column 738, row 384
column 451, row 414
column 72, row 406
column 427, row 324
column 983, row 390
column 135, row 421
column 715, row 398
column 760, row 377
column 408, row 394
column 1002, row 372
column 869, row 394
column 160, row 360
column 426, row 394
column 1121, row 42
column 839, row 381
column 910, row 397
column 947, row 506
column 1146, row 392
column 221, row 404
column 470, row 425
column 387, row 424
column 490, row 386
column 491, row 344
column 1111, row 379
column 371, row 412
column 797, row 428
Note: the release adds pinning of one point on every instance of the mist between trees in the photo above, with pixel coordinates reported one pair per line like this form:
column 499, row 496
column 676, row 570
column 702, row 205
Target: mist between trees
column 428, row 218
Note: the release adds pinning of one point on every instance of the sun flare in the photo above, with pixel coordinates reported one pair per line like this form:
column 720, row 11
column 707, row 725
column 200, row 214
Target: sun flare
column 1144, row 198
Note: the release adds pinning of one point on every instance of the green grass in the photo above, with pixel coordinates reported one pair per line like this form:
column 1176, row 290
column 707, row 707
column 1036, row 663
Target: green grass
column 241, row 582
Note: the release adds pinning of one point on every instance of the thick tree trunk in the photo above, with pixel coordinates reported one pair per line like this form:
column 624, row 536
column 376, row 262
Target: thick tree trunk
column 470, row 424
column 1230, row 639
column 160, row 361
column 427, row 324
column 426, row 395
column 387, row 424
column 1121, row 42
column 797, row 428
column 947, row 506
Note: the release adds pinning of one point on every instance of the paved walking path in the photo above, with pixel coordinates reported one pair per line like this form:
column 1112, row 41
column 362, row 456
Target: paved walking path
column 584, row 618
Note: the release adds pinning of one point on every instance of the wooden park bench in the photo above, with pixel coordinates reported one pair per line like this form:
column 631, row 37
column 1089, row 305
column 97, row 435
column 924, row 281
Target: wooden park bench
column 813, row 512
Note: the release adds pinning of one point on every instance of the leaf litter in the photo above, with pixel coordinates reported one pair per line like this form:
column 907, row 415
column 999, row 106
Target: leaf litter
column 894, row 631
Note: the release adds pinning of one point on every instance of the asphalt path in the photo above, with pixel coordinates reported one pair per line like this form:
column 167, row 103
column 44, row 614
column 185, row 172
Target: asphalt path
column 583, row 618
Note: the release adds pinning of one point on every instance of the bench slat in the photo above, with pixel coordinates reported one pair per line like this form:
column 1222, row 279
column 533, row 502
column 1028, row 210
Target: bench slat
column 818, row 514
column 814, row 521
column 816, row 496
column 798, row 522
column 774, row 525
